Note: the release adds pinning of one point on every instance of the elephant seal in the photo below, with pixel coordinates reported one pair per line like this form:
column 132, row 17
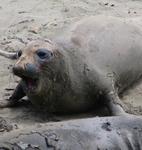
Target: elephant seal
column 96, row 59
column 98, row 133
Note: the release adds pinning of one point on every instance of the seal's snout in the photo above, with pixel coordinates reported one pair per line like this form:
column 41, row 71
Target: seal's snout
column 29, row 75
column 29, row 70
column 17, row 70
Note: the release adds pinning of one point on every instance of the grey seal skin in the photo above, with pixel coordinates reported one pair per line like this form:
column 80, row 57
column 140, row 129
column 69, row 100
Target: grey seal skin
column 10, row 55
column 97, row 58
column 98, row 133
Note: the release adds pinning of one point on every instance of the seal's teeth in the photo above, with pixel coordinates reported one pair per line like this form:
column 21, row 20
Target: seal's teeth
column 30, row 84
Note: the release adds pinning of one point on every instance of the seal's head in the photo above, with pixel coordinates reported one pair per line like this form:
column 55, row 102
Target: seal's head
column 38, row 65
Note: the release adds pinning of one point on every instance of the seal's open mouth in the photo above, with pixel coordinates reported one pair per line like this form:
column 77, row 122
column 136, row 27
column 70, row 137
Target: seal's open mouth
column 30, row 83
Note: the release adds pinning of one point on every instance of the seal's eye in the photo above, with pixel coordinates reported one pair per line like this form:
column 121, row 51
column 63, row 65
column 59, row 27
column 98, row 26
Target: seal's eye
column 41, row 55
column 44, row 53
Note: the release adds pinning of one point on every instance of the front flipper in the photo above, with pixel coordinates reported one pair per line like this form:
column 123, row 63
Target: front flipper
column 115, row 106
column 16, row 96
column 10, row 55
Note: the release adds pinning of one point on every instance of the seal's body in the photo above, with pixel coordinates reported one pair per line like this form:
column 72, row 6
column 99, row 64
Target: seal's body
column 104, row 133
column 98, row 58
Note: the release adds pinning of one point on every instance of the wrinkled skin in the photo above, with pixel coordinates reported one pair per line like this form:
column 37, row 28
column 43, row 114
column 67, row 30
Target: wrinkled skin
column 98, row 133
column 96, row 60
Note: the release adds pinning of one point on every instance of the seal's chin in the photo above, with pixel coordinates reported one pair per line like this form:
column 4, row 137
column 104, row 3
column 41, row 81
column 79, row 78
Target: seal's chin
column 30, row 84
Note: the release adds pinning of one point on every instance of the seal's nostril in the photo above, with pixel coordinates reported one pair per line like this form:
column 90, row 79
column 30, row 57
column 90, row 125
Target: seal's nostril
column 16, row 69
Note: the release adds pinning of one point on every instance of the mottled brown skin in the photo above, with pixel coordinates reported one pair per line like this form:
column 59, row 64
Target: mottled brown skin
column 96, row 59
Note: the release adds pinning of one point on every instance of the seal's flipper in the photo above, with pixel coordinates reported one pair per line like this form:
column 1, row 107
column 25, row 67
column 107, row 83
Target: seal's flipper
column 115, row 105
column 10, row 55
column 16, row 96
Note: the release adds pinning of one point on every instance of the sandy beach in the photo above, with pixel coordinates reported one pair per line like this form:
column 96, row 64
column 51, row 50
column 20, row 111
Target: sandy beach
column 23, row 21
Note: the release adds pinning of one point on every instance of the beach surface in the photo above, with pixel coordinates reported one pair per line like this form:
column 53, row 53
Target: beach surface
column 24, row 21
